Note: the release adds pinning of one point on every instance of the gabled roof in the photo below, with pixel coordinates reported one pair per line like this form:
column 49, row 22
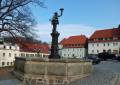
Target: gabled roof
column 106, row 33
column 102, row 33
column 31, row 47
column 79, row 39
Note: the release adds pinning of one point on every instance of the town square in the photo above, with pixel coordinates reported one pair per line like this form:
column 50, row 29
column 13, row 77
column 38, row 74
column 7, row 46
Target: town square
column 59, row 42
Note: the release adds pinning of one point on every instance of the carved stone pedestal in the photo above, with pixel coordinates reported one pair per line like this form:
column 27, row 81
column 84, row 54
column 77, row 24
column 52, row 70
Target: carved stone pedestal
column 54, row 47
column 51, row 72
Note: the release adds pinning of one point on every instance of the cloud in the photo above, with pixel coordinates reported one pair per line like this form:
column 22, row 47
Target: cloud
column 43, row 31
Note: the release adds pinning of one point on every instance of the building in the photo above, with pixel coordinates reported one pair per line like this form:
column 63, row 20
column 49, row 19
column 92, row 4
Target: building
column 73, row 47
column 34, row 50
column 107, row 40
column 8, row 52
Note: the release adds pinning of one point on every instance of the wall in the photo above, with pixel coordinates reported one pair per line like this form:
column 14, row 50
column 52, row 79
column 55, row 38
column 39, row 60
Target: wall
column 72, row 52
column 52, row 70
column 8, row 54
column 100, row 46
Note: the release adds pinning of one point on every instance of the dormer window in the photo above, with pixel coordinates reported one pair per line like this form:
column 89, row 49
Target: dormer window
column 115, row 38
column 75, row 44
column 106, row 39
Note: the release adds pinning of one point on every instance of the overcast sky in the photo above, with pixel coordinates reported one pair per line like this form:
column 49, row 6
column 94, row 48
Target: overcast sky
column 79, row 17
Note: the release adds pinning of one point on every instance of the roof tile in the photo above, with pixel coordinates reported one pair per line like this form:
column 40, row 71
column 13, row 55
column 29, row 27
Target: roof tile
column 72, row 40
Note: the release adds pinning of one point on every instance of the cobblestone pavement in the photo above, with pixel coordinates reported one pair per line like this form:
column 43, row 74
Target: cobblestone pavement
column 6, row 74
column 105, row 73
column 10, row 82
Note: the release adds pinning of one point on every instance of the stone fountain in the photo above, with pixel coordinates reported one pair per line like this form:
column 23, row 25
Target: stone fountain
column 54, row 70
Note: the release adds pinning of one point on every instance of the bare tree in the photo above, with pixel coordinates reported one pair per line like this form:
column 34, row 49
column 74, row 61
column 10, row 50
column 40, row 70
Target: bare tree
column 16, row 17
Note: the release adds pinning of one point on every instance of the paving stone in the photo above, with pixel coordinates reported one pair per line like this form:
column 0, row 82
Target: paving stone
column 105, row 73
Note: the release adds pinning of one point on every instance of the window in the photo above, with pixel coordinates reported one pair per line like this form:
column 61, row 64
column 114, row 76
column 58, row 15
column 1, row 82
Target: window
column 100, row 39
column 115, row 38
column 110, row 39
column 97, row 51
column 73, row 49
column 3, row 63
column 36, row 54
column 73, row 55
column 64, row 54
column 68, row 49
column 75, row 44
column 72, row 44
column 92, row 51
column 21, row 54
column 4, row 46
column 9, row 54
column 11, row 63
column 27, row 55
column 7, row 63
column 15, row 55
column 97, row 44
column 108, row 44
column 106, row 39
column 104, row 44
column 115, row 44
column 104, row 50
column 92, row 44
column 3, row 54
column 10, row 47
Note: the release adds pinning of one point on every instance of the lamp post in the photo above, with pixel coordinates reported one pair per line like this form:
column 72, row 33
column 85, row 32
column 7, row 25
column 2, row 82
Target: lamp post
column 54, row 45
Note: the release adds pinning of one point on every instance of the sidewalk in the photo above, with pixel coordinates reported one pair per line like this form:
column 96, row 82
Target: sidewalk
column 5, row 74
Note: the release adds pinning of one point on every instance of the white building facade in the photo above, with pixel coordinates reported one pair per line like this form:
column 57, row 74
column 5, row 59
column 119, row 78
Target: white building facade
column 8, row 52
column 107, row 40
column 33, row 54
column 112, row 47
column 73, row 52
column 73, row 47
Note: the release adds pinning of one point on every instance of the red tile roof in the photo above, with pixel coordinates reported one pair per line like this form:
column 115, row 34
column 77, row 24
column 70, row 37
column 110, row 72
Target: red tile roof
column 106, row 33
column 102, row 34
column 30, row 47
column 74, row 41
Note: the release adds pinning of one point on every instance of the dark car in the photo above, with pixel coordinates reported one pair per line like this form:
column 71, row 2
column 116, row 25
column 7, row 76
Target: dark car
column 105, row 56
column 118, row 57
column 94, row 59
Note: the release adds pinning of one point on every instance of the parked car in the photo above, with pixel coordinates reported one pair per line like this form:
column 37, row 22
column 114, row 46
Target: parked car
column 94, row 59
column 106, row 56
column 118, row 57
